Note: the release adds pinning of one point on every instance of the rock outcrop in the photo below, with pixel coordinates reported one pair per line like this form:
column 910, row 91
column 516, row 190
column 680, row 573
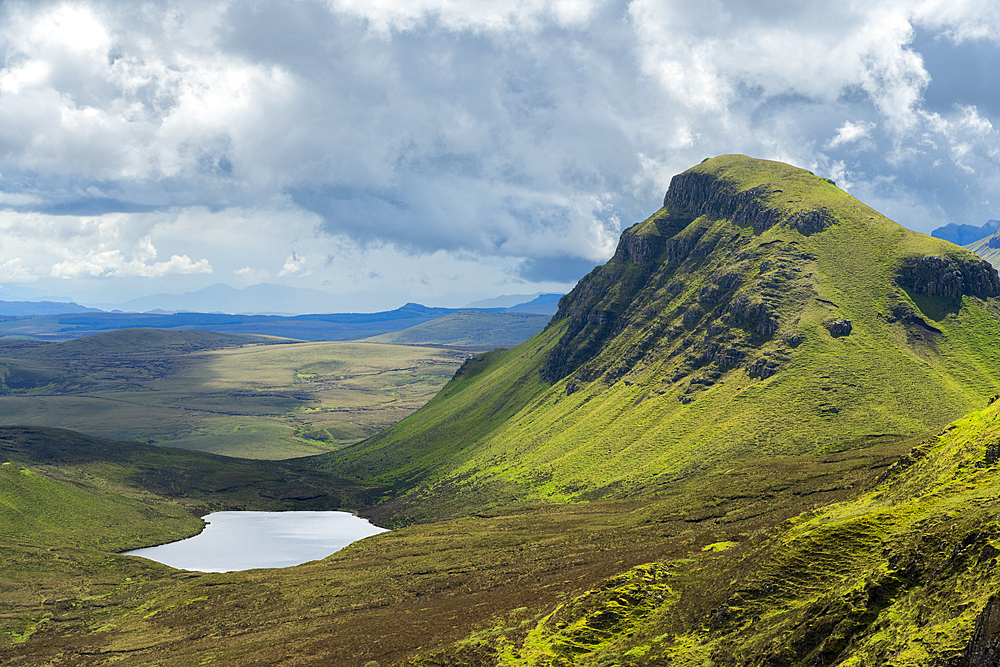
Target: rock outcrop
column 705, row 194
column 949, row 277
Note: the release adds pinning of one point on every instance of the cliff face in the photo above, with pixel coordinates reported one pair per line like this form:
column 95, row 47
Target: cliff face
column 707, row 194
column 949, row 277
column 692, row 261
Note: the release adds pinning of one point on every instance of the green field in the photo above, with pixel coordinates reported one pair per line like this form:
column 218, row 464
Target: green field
column 238, row 395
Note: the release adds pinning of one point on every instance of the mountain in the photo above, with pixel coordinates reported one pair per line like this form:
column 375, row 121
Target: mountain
column 471, row 329
column 264, row 298
column 965, row 234
column 761, row 312
column 543, row 304
column 503, row 301
column 540, row 304
column 28, row 308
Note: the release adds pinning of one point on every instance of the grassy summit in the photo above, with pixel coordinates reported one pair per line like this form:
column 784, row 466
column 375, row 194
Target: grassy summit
column 761, row 312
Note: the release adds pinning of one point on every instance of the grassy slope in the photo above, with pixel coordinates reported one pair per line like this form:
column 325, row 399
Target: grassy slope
column 983, row 249
column 635, row 436
column 431, row 583
column 199, row 480
column 897, row 576
column 42, row 510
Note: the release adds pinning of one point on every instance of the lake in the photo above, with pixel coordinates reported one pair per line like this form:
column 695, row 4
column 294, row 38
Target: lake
column 248, row 540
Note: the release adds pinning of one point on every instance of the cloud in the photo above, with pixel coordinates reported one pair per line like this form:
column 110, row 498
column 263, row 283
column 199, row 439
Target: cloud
column 294, row 265
column 252, row 276
column 850, row 133
column 516, row 137
column 114, row 264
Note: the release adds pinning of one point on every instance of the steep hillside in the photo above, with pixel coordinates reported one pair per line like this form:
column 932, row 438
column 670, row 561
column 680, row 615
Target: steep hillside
column 761, row 312
column 905, row 574
column 987, row 248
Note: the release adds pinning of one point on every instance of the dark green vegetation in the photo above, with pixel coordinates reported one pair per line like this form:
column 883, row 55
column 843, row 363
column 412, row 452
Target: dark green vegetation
column 470, row 329
column 725, row 449
column 240, row 395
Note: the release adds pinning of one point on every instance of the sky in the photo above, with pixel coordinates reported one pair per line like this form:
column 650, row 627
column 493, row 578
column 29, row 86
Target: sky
column 443, row 151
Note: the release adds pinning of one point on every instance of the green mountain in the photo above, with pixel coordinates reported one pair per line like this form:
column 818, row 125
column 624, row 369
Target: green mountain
column 762, row 312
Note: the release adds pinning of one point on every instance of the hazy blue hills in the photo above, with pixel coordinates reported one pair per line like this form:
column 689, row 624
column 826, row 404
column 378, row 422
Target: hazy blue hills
column 264, row 298
column 323, row 326
column 965, row 234
column 22, row 308
column 471, row 329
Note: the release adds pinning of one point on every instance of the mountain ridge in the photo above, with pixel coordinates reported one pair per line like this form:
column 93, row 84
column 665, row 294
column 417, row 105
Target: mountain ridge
column 965, row 234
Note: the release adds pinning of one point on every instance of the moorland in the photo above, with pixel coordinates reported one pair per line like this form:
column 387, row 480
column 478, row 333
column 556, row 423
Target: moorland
column 249, row 396
column 764, row 433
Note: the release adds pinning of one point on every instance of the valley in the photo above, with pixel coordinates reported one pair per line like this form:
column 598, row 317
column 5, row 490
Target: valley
column 257, row 397
column 764, row 433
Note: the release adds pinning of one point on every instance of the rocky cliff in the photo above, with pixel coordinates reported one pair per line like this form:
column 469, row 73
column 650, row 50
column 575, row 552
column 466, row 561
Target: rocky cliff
column 949, row 277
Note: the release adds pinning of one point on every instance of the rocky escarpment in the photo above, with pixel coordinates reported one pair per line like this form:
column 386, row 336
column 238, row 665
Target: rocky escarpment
column 690, row 296
column 705, row 194
column 686, row 286
column 692, row 293
column 949, row 276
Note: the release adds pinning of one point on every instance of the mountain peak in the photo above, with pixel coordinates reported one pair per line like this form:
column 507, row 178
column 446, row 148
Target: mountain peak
column 758, row 193
column 743, row 253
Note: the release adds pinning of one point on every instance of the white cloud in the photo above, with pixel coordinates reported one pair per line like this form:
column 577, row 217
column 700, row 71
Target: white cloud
column 252, row 276
column 294, row 265
column 850, row 133
column 114, row 264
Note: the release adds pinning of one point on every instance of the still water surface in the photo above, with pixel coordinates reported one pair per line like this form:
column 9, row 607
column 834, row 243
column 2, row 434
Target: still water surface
column 248, row 540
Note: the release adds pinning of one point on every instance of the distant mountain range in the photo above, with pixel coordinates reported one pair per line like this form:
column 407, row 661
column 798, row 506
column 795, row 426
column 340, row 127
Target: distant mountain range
column 262, row 299
column 62, row 321
column 22, row 308
column 965, row 234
